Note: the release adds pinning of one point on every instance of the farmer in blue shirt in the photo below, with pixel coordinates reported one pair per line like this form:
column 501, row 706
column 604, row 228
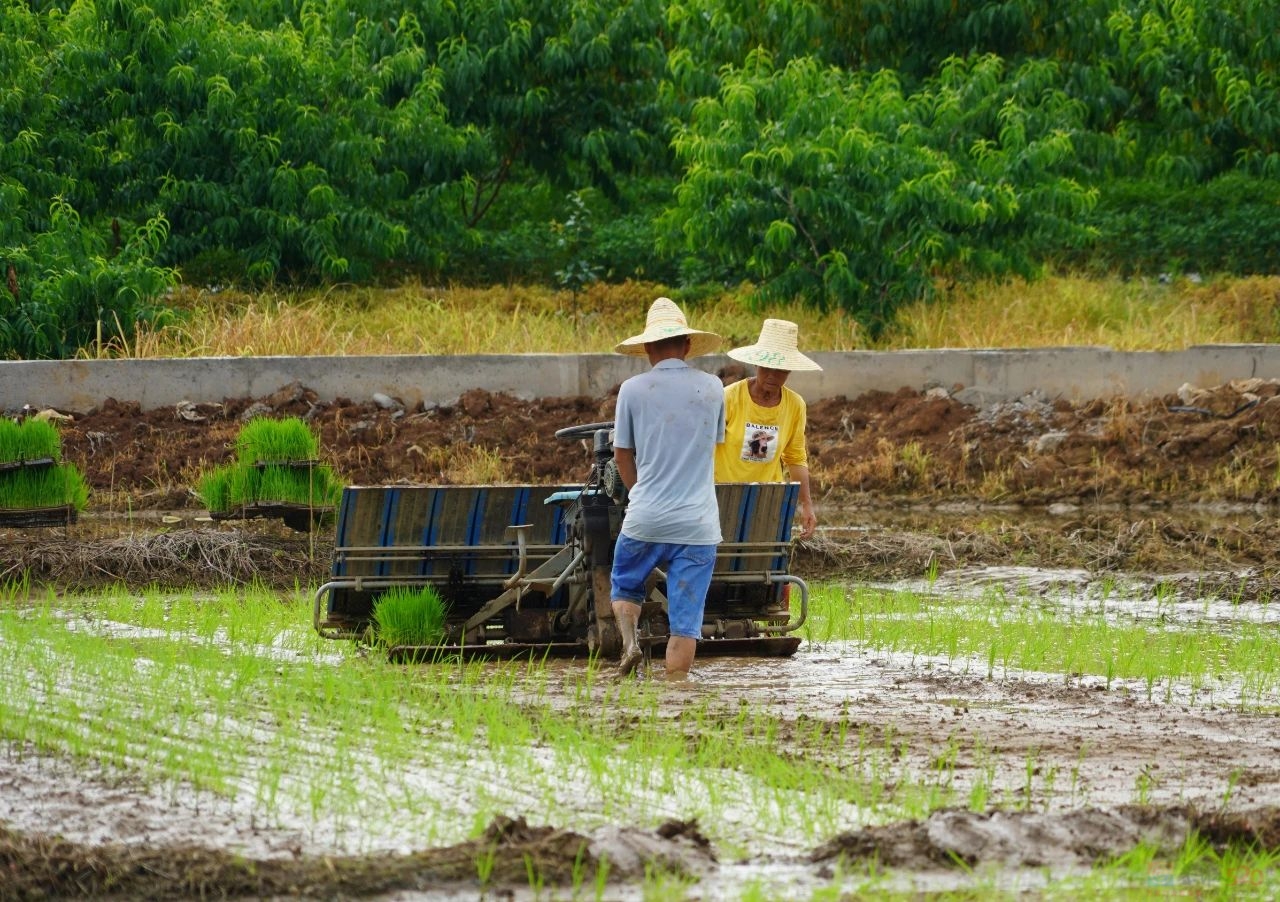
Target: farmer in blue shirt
column 667, row 424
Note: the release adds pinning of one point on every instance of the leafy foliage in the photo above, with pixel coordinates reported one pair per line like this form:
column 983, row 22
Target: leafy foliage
column 849, row 152
column 1225, row 225
column 846, row 191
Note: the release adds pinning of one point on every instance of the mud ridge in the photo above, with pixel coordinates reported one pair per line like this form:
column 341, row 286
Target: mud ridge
column 509, row 853
column 958, row 838
column 1200, row 445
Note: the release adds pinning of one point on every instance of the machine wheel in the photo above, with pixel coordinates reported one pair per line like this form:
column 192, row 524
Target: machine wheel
column 586, row 430
column 604, row 640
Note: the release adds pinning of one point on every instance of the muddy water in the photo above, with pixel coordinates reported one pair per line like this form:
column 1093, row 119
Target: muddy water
column 1051, row 761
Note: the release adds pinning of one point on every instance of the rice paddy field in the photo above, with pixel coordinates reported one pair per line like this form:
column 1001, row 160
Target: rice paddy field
column 1028, row 730
column 983, row 733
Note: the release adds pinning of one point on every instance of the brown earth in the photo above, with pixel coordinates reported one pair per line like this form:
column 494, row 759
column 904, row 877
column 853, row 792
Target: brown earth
column 905, row 482
column 879, row 449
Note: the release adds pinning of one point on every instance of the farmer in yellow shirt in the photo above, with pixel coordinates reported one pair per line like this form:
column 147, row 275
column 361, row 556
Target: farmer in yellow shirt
column 765, row 420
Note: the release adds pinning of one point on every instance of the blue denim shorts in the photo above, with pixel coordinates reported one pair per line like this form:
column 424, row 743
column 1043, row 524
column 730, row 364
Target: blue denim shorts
column 688, row 569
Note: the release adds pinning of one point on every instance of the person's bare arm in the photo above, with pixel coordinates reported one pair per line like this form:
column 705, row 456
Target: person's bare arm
column 808, row 516
column 625, row 458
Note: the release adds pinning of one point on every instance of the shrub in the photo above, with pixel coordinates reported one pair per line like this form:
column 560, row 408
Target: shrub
column 1226, row 225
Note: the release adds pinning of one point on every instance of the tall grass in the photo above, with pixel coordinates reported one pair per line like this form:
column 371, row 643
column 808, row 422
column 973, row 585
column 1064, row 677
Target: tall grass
column 1068, row 310
column 420, row 319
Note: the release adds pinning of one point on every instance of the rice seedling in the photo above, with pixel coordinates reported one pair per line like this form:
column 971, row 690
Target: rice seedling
column 231, row 694
column 276, row 463
column 234, row 693
column 264, row 439
column 43, row 487
column 48, row 485
column 30, row 439
column 406, row 616
column 1004, row 637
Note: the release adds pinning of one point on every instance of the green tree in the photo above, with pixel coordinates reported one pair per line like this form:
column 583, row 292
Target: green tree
column 843, row 190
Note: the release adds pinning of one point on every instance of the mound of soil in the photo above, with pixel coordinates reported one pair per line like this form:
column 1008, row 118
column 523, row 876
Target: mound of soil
column 879, row 449
column 510, row 853
column 1130, row 485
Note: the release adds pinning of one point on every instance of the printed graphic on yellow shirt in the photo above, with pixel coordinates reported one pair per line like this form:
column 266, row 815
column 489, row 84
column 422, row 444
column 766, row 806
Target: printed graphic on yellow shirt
column 759, row 443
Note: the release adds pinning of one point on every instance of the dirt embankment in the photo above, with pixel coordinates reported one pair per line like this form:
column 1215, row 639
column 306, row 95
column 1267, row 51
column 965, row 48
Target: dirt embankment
column 1116, row 484
column 1216, row 444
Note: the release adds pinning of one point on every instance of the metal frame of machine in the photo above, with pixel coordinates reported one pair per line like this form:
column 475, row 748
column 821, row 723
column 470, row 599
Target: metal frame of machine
column 524, row 569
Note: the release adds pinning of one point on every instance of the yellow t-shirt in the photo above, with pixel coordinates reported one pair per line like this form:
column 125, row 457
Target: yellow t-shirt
column 760, row 441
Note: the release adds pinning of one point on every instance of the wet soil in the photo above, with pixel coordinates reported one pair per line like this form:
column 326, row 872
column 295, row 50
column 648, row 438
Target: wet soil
column 1080, row 771
column 909, row 485
column 1203, row 445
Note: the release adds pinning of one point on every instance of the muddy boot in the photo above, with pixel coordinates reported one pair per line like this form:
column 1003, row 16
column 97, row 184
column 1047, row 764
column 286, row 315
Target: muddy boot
column 631, row 657
column 627, row 615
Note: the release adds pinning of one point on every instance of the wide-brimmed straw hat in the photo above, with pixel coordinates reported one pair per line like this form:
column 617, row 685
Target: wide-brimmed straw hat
column 666, row 320
column 776, row 348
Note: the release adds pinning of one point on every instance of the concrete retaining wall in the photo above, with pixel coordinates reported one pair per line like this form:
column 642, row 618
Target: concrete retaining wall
column 984, row 375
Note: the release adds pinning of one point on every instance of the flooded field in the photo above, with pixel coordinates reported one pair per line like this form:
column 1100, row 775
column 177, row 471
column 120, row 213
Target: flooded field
column 983, row 729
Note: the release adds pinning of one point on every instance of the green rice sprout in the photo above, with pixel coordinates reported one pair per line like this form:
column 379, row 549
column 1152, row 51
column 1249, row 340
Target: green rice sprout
column 29, row 440
column 52, row 486
column 25, row 488
column 410, row 617
column 266, row 470
column 239, row 485
column 215, row 490
column 266, row 439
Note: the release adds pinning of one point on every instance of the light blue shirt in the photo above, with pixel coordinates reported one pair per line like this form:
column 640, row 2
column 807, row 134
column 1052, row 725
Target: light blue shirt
column 673, row 418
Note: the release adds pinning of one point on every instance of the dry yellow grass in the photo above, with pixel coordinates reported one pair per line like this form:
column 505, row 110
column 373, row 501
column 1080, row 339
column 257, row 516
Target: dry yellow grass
column 420, row 319
column 1073, row 310
column 416, row 319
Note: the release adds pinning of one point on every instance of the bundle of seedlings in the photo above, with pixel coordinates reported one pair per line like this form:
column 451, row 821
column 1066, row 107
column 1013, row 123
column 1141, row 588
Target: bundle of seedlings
column 276, row 473
column 408, row 620
column 36, row 487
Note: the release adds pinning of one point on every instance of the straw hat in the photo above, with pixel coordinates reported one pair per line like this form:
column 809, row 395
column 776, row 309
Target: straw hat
column 666, row 320
column 776, row 348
